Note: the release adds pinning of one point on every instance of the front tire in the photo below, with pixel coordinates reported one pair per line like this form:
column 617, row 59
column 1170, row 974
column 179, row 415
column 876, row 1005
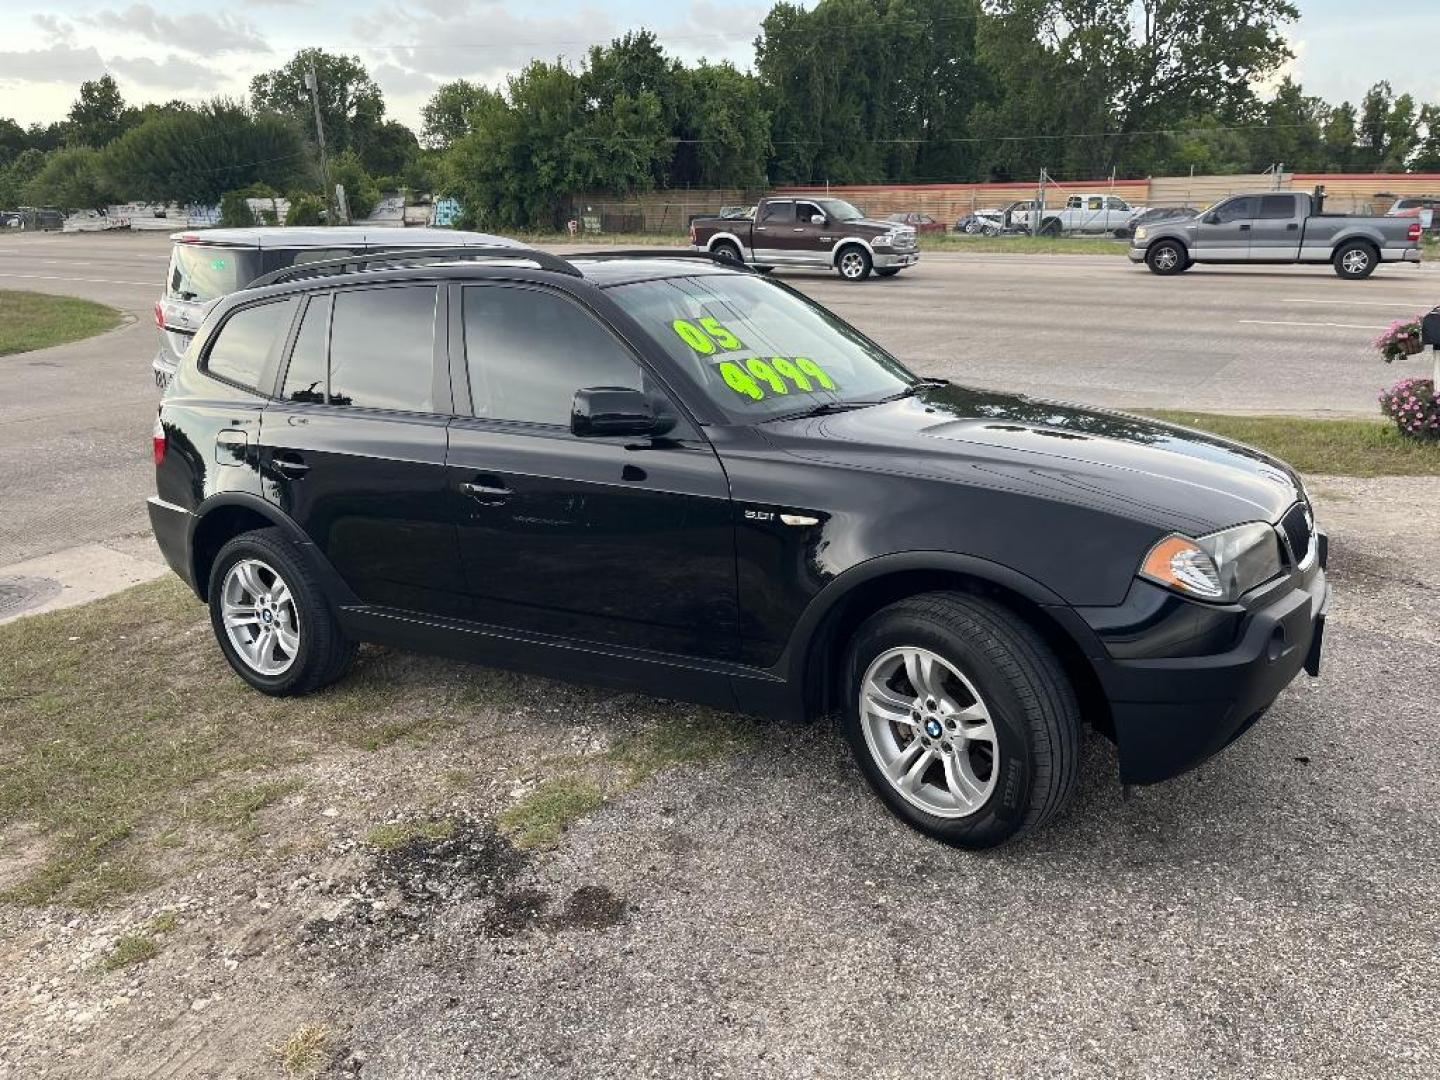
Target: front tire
column 1355, row 260
column 1167, row 257
column 961, row 718
column 853, row 263
column 889, row 271
column 271, row 618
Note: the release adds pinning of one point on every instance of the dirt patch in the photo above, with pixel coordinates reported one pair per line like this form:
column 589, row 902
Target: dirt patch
column 590, row 907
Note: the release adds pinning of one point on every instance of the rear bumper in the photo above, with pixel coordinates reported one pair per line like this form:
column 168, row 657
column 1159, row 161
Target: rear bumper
column 1172, row 713
column 171, row 526
column 1395, row 254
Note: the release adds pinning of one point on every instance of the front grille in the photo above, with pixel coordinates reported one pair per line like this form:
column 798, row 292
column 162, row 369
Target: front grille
column 905, row 240
column 1299, row 528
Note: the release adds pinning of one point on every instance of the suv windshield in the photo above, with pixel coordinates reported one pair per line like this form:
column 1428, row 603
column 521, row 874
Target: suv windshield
column 839, row 210
column 757, row 349
column 202, row 273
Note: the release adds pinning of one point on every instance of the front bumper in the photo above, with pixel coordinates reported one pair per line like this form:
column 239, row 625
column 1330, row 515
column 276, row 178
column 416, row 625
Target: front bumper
column 1171, row 713
column 887, row 260
column 1136, row 254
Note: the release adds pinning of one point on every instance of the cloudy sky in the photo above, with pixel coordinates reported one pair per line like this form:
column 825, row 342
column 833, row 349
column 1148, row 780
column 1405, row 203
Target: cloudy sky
column 192, row 50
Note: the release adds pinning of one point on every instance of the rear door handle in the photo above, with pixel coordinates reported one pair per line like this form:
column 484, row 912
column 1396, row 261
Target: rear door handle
column 1292, row 226
column 291, row 465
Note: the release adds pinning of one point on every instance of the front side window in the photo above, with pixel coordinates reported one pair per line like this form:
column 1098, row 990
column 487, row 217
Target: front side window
column 527, row 351
column 805, row 211
column 758, row 350
column 243, row 344
column 382, row 348
column 840, row 210
column 1242, row 209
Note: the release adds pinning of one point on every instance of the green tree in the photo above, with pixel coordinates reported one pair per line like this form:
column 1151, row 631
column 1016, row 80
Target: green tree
column 12, row 141
column 97, row 116
column 199, row 154
column 723, row 129
column 446, row 116
column 388, row 149
column 1339, row 136
column 1427, row 152
column 15, row 178
column 1387, row 131
column 351, row 105
column 72, row 178
column 360, row 190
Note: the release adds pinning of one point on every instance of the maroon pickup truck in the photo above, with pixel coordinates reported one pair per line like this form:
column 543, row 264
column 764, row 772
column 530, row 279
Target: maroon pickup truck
column 809, row 232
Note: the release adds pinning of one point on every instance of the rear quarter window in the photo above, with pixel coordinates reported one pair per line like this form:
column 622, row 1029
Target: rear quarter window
column 243, row 347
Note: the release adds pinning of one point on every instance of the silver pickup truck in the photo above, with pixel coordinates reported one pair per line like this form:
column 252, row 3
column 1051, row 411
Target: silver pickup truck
column 1277, row 227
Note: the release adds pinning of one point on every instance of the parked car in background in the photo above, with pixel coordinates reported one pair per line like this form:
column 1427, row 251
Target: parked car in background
column 210, row 264
column 1087, row 213
column 1277, row 227
column 993, row 222
column 668, row 475
column 921, row 223
column 1156, row 214
column 1424, row 208
column 820, row 233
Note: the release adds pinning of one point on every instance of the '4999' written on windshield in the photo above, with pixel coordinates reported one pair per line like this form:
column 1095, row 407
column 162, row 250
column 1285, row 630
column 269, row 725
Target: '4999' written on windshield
column 746, row 376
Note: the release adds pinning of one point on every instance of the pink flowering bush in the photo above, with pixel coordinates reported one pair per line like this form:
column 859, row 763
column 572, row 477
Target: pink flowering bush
column 1414, row 406
column 1400, row 338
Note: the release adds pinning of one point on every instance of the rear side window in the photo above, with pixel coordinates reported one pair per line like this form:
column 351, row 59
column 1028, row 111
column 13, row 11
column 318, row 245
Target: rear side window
column 1277, row 207
column 528, row 351
column 199, row 273
column 244, row 343
column 305, row 377
column 382, row 348
column 778, row 212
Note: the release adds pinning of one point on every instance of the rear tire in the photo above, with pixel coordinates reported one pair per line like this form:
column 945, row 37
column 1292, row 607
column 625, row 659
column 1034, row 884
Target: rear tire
column 1355, row 260
column 853, row 263
column 725, row 251
column 989, row 705
column 1167, row 257
column 271, row 617
column 1049, row 227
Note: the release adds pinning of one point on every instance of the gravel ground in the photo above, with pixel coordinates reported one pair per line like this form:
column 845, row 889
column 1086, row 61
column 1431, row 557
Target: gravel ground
column 1272, row 914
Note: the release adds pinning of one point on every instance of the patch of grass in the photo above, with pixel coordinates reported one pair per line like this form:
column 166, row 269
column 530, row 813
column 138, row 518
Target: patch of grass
column 305, row 1052
column 31, row 320
column 681, row 742
column 140, row 945
column 1322, row 447
column 122, row 728
column 538, row 819
column 396, row 834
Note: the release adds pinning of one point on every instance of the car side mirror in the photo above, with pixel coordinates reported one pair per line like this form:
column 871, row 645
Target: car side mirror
column 817, row 219
column 615, row 410
column 1211, row 219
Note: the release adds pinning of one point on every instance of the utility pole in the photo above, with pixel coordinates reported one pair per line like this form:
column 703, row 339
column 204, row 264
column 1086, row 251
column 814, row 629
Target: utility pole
column 312, row 83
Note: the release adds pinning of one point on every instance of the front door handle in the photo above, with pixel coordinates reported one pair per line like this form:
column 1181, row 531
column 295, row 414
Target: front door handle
column 491, row 491
column 1244, row 228
column 1292, row 226
column 291, row 465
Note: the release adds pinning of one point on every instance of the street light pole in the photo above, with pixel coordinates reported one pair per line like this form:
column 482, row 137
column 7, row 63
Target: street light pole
column 312, row 83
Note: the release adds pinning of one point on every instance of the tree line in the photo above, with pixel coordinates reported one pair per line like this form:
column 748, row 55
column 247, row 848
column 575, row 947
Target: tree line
column 845, row 91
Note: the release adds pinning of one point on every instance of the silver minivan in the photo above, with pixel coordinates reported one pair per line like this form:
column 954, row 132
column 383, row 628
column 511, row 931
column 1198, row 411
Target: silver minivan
column 207, row 265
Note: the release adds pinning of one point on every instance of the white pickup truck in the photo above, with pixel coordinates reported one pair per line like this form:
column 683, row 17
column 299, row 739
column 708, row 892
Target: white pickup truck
column 1084, row 213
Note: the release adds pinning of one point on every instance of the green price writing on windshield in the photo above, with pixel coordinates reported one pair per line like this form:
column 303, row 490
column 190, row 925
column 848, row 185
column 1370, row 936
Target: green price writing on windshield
column 753, row 376
column 706, row 338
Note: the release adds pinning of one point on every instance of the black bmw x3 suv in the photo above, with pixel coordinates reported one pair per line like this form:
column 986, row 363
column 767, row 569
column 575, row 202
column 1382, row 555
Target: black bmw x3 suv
column 668, row 474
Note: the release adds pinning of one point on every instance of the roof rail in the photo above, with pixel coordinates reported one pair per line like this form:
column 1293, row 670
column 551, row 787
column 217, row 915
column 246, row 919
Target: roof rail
column 327, row 267
column 663, row 253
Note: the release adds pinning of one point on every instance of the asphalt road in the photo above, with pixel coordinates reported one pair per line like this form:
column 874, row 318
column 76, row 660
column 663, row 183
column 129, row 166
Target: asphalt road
column 75, row 421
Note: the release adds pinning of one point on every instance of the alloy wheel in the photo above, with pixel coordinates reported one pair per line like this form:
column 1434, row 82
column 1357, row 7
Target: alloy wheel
column 930, row 732
column 1166, row 258
column 1355, row 261
column 852, row 264
column 260, row 617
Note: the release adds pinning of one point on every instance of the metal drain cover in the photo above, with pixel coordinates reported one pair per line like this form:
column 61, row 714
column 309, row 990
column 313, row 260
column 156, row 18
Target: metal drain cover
column 20, row 594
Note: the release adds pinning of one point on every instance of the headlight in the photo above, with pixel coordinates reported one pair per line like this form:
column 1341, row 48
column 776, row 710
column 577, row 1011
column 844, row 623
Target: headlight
column 1141, row 233
column 1218, row 567
column 882, row 241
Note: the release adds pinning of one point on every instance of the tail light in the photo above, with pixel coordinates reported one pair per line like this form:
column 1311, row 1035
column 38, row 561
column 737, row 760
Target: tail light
column 1412, row 234
column 160, row 314
column 157, row 441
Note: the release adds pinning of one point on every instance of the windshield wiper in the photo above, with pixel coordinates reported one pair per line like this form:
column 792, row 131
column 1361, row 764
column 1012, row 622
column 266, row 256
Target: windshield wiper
column 823, row 408
column 913, row 388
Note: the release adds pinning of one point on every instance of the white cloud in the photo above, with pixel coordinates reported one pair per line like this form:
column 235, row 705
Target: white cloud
column 60, row 63
column 193, row 32
column 170, row 74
